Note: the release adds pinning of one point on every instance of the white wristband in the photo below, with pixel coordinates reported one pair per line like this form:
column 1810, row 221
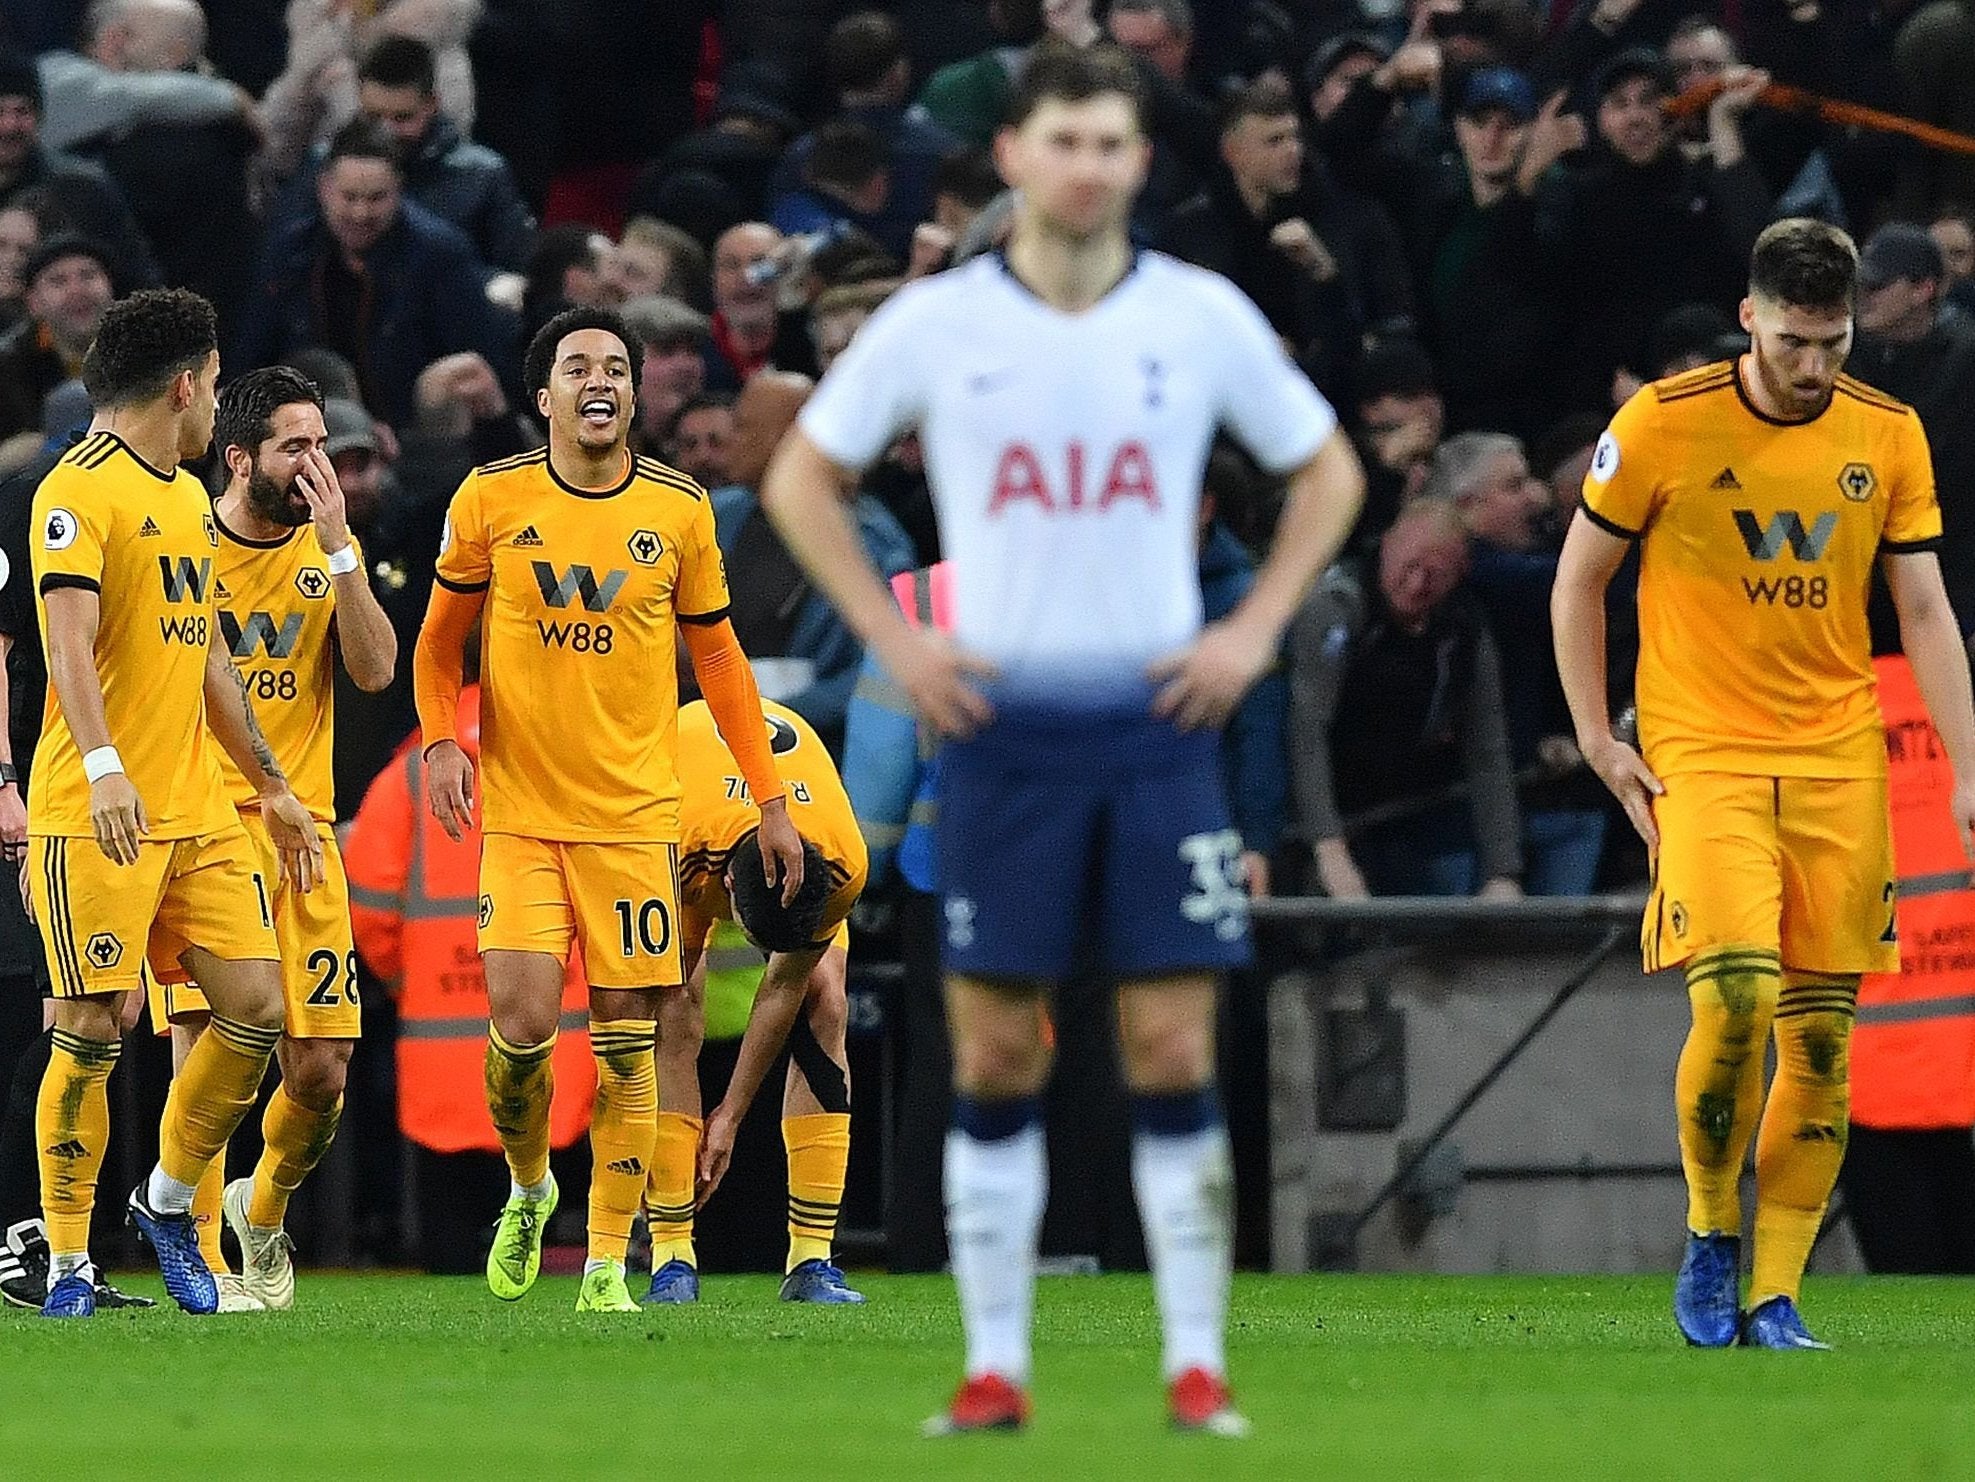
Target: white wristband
column 100, row 763
column 343, row 562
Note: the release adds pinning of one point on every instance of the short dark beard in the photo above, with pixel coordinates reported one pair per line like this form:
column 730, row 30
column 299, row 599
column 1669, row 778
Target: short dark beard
column 273, row 503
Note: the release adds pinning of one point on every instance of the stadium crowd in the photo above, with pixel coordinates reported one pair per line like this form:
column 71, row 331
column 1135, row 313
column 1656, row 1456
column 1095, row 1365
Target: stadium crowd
column 1474, row 223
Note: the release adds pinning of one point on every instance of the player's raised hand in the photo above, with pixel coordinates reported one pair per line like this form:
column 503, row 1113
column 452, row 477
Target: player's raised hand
column 449, row 786
column 940, row 678
column 292, row 829
column 1631, row 781
column 316, row 478
column 716, row 1153
column 781, row 848
column 1201, row 684
column 117, row 814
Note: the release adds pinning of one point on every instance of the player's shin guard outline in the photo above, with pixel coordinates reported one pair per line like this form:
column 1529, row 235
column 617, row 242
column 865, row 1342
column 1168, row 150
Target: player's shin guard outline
column 1183, row 1175
column 669, row 1192
column 294, row 1138
column 211, row 1094
column 1718, row 1086
column 1804, row 1127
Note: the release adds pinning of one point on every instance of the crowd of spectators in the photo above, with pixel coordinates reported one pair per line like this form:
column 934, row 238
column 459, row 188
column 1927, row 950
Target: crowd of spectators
column 1475, row 223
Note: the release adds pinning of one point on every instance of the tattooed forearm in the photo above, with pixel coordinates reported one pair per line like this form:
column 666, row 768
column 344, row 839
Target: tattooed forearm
column 263, row 753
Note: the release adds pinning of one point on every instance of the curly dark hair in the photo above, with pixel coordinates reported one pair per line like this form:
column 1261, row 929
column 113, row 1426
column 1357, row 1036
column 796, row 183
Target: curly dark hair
column 535, row 366
column 758, row 905
column 1805, row 263
column 146, row 340
column 247, row 407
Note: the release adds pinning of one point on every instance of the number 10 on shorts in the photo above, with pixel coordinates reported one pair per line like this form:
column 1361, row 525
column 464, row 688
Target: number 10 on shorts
column 644, row 925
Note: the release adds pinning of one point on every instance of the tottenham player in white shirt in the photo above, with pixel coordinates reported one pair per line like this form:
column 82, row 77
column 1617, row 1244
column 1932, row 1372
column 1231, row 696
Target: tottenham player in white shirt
column 1066, row 395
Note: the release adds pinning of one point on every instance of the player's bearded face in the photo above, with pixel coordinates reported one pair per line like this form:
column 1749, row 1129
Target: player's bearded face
column 277, row 500
column 589, row 400
column 1798, row 352
column 1078, row 166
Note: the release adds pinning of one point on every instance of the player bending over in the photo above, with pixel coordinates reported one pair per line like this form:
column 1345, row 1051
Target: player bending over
column 800, row 1002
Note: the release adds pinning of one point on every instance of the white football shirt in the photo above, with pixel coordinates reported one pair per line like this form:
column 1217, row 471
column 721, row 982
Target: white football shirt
column 1066, row 451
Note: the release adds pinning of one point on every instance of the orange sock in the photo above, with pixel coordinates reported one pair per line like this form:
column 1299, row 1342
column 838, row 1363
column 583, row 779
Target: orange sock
column 819, row 1151
column 206, row 1216
column 71, row 1135
column 211, row 1094
column 1804, row 1126
column 669, row 1193
column 623, row 1130
column 293, row 1140
column 1718, row 1086
column 520, row 1086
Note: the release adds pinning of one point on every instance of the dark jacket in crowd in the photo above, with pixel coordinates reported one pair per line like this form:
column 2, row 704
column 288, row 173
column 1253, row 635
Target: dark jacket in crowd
column 1489, row 308
column 30, row 367
column 91, row 201
column 914, row 146
column 209, row 249
column 1326, row 322
column 1936, row 377
column 456, row 180
column 1630, row 244
column 421, row 296
column 1255, row 745
column 1378, row 715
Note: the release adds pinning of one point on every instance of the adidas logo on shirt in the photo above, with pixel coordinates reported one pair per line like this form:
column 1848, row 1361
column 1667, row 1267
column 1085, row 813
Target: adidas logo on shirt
column 528, row 536
column 149, row 527
column 1726, row 480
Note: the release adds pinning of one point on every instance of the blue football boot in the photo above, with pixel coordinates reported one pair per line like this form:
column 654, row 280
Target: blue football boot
column 818, row 1281
column 72, row 1296
column 1706, row 1297
column 176, row 1240
column 673, row 1282
column 1777, row 1324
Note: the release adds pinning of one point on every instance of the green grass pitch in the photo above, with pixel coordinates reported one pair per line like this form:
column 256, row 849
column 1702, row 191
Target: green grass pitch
column 1344, row 1377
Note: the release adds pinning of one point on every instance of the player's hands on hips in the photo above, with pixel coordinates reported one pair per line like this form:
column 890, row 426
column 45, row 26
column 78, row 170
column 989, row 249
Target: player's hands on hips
column 939, row 677
column 781, row 848
column 292, row 829
column 1621, row 768
column 117, row 814
column 449, row 785
column 716, row 1152
column 1205, row 681
column 316, row 478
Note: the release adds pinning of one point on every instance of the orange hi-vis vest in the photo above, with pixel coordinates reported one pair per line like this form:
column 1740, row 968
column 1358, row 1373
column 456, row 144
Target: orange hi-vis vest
column 414, row 905
column 1913, row 1051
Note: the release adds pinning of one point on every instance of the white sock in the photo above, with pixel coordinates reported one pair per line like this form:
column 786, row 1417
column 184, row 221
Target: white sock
column 535, row 1193
column 1185, row 1188
column 994, row 1197
column 166, row 1194
column 597, row 1263
column 69, row 1263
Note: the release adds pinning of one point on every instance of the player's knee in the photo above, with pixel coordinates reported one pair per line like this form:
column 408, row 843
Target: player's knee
column 522, row 1022
column 316, row 1070
column 258, row 1002
column 90, row 1018
column 1000, row 1062
column 1166, row 1054
column 828, row 1013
